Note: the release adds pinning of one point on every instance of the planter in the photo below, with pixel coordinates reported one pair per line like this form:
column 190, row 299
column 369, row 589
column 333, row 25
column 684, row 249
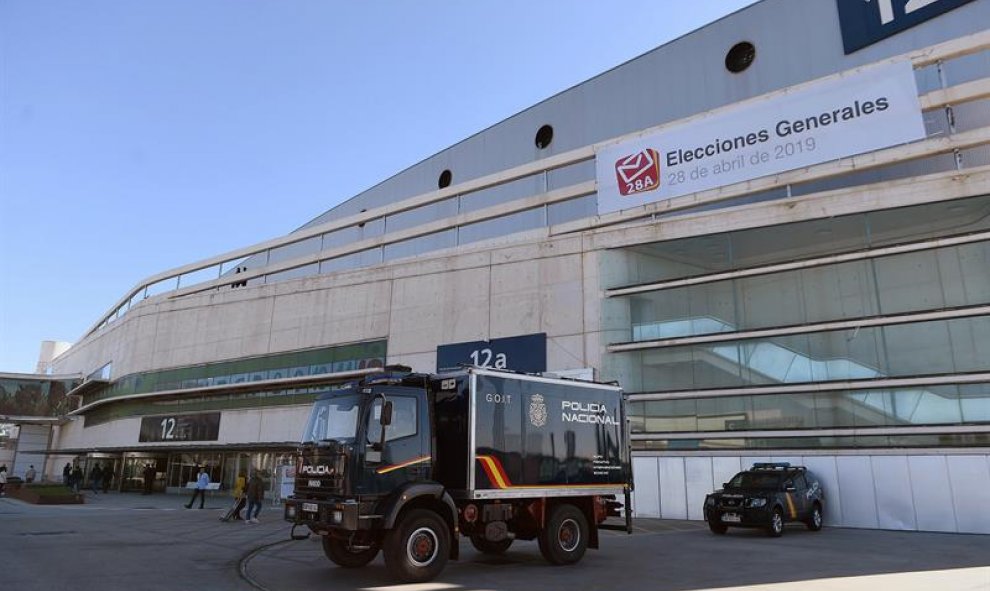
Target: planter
column 26, row 494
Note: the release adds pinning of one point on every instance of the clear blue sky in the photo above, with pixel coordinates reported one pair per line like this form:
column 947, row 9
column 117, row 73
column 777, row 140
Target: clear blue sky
column 138, row 136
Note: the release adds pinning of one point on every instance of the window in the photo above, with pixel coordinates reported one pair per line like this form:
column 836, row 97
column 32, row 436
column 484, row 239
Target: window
column 740, row 57
column 403, row 419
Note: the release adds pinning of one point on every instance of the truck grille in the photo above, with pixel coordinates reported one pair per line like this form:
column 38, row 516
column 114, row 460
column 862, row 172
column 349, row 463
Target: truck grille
column 323, row 473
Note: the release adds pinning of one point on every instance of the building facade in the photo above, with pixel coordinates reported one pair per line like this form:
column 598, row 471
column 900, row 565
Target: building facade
column 758, row 295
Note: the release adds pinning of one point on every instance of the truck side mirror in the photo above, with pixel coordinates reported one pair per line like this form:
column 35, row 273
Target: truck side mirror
column 386, row 418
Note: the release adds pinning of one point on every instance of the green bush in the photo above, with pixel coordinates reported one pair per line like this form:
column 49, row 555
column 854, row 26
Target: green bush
column 49, row 490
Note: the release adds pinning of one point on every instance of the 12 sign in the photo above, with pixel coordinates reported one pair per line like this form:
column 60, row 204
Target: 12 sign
column 866, row 22
column 195, row 427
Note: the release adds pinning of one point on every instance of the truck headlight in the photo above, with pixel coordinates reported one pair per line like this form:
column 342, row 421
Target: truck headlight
column 709, row 501
column 338, row 516
column 290, row 511
column 756, row 503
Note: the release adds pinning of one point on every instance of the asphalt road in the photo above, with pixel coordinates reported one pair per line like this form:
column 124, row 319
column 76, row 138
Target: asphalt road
column 122, row 541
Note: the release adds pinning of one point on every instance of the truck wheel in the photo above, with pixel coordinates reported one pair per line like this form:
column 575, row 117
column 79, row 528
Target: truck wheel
column 776, row 526
column 814, row 521
column 417, row 549
column 717, row 528
column 565, row 537
column 489, row 547
column 342, row 555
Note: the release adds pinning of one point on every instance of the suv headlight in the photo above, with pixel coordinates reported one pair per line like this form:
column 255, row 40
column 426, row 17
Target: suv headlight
column 709, row 500
column 756, row 503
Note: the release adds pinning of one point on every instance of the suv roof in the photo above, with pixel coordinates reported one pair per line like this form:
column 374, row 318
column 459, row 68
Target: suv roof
column 775, row 467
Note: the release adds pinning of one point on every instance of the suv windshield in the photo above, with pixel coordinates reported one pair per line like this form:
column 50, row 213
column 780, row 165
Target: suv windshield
column 333, row 419
column 756, row 480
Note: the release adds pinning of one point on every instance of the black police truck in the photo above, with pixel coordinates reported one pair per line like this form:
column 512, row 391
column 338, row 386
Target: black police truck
column 406, row 463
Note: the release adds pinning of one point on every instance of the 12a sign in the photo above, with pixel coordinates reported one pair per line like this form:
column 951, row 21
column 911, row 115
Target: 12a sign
column 526, row 353
column 168, row 428
column 864, row 22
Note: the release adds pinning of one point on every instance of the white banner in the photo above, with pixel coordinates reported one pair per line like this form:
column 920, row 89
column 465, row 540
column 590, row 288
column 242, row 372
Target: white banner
column 867, row 110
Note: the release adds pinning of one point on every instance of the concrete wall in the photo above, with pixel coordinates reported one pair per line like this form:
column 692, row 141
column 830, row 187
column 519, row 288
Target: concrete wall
column 549, row 286
column 540, row 286
column 946, row 491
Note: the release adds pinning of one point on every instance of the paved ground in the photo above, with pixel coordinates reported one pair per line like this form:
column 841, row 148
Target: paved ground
column 134, row 542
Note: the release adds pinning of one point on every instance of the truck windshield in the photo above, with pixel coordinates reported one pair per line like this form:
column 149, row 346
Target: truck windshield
column 333, row 419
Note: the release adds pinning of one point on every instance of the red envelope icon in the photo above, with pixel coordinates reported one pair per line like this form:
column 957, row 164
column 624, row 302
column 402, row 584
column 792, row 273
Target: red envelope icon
column 639, row 172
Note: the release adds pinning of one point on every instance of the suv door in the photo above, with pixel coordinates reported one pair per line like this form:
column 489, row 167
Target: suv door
column 799, row 496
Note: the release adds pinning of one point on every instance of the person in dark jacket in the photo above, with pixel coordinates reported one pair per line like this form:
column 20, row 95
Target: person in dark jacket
column 255, row 495
column 149, row 479
column 77, row 478
column 95, row 479
column 107, row 478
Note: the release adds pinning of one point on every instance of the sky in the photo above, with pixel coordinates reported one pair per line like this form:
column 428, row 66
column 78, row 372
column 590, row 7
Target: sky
column 136, row 137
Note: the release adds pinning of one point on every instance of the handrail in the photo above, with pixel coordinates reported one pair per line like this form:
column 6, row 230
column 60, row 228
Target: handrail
column 919, row 58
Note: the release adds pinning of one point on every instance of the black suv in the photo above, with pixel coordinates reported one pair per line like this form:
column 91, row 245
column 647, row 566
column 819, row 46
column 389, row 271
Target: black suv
column 767, row 496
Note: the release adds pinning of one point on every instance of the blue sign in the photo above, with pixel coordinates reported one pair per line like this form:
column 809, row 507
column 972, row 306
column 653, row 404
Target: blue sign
column 864, row 22
column 526, row 353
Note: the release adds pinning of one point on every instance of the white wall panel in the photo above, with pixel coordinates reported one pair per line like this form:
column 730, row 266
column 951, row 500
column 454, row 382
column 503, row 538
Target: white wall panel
column 932, row 493
column 969, row 477
column 646, row 496
column 673, row 488
column 698, row 481
column 748, row 461
column 900, row 492
column 895, row 500
column 723, row 469
column 859, row 506
column 828, row 475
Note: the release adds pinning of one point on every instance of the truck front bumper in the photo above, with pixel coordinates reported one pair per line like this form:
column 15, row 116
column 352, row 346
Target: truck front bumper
column 321, row 515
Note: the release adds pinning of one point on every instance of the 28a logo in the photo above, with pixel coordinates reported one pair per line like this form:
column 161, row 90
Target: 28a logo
column 639, row 172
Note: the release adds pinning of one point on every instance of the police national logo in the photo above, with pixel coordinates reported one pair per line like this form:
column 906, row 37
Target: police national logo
column 537, row 410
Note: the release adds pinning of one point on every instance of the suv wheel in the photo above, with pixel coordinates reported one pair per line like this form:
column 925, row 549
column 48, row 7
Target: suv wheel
column 814, row 521
column 717, row 528
column 776, row 527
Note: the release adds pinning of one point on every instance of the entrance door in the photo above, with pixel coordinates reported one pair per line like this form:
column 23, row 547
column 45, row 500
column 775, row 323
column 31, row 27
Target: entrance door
column 132, row 476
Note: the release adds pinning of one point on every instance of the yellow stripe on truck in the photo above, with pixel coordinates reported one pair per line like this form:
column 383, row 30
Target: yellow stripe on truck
column 790, row 505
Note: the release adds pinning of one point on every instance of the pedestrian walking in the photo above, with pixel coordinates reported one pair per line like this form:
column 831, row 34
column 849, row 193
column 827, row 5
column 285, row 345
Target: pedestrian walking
column 149, row 479
column 3, row 479
column 107, row 477
column 77, row 478
column 67, row 474
column 255, row 495
column 95, row 479
column 30, row 474
column 239, row 495
column 202, row 481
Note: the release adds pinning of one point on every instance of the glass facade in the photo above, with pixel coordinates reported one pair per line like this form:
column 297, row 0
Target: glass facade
column 39, row 396
column 272, row 367
column 919, row 311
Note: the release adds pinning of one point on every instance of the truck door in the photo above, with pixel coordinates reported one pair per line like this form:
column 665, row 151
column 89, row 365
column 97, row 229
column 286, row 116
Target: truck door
column 406, row 455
